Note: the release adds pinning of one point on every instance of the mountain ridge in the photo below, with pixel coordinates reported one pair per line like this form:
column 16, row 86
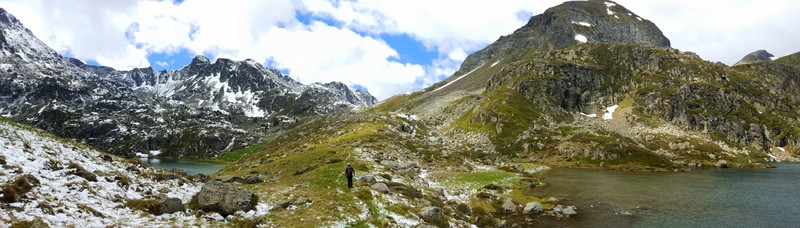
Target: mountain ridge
column 201, row 110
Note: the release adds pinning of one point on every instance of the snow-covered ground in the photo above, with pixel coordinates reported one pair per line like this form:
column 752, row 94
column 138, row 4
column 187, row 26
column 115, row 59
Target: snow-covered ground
column 28, row 151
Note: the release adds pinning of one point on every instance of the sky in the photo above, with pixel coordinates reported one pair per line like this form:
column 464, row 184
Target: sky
column 385, row 47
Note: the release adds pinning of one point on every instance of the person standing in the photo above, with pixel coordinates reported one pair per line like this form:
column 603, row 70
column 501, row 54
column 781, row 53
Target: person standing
column 349, row 172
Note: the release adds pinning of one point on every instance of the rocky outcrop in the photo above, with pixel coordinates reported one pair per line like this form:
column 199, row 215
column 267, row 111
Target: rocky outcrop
column 380, row 187
column 560, row 26
column 755, row 57
column 218, row 197
column 508, row 207
column 566, row 211
column 433, row 215
column 533, row 208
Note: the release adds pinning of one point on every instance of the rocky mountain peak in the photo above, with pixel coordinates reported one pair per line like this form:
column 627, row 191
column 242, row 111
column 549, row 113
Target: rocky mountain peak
column 571, row 23
column 18, row 41
column 200, row 60
column 755, row 57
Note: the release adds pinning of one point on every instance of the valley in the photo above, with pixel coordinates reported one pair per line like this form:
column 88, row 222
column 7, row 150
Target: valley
column 585, row 116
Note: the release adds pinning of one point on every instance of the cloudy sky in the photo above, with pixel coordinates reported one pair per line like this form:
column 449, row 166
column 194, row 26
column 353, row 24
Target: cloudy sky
column 386, row 47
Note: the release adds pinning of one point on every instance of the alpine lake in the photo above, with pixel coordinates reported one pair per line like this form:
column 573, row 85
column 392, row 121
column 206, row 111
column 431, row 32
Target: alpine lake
column 703, row 197
column 191, row 167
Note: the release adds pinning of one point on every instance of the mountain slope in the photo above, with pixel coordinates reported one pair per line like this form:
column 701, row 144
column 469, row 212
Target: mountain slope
column 63, row 183
column 204, row 109
column 568, row 24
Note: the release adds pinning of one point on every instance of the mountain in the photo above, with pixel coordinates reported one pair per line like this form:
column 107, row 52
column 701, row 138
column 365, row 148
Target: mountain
column 204, row 109
column 755, row 57
column 571, row 23
column 466, row 151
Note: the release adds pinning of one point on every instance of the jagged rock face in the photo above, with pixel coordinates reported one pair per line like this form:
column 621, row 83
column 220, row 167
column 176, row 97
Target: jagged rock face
column 755, row 57
column 571, row 23
column 203, row 109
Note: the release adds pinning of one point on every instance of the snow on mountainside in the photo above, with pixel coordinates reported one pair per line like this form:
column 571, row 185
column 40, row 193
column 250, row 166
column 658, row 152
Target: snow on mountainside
column 204, row 109
column 63, row 198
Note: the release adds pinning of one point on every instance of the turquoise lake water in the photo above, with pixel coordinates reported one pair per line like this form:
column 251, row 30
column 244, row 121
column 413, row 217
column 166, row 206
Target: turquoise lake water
column 708, row 197
column 191, row 167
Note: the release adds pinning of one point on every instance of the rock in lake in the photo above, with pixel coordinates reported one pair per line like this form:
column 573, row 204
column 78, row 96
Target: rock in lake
column 508, row 206
column 533, row 208
column 722, row 164
column 218, row 197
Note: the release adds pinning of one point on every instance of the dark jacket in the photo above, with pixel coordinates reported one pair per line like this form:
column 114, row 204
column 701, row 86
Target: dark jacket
column 349, row 171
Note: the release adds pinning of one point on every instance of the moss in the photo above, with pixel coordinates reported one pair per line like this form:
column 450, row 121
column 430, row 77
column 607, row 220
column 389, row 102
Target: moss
column 236, row 155
column 149, row 206
column 252, row 222
column 21, row 224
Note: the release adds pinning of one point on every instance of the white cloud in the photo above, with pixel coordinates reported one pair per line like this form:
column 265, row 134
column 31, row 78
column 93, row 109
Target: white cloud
column 123, row 33
column 162, row 63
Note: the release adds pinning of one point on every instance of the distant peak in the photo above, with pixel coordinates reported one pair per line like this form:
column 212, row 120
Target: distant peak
column 755, row 57
column 200, row 60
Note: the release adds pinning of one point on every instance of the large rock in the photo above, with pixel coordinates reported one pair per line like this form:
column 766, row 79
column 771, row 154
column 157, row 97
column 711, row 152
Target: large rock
column 368, row 179
column 722, row 164
column 171, row 205
column 432, row 215
column 533, row 208
column 567, row 211
column 380, row 187
column 508, row 206
column 216, row 196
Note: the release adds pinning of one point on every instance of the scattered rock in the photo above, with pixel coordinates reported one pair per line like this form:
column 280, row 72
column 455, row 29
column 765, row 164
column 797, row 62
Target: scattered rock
column 380, row 187
column 508, row 206
column 626, row 213
column 39, row 223
column 567, row 211
column 464, row 208
column 171, row 205
column 218, row 197
column 108, row 158
column 423, row 225
column 333, row 160
column 533, row 208
column 253, row 179
column 179, row 171
column 79, row 171
column 301, row 201
column 2, row 160
column 722, row 164
column 368, row 179
column 163, row 176
column 303, row 170
column 200, row 178
column 432, row 215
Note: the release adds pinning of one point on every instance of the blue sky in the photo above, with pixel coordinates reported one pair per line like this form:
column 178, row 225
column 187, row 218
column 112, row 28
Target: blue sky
column 385, row 47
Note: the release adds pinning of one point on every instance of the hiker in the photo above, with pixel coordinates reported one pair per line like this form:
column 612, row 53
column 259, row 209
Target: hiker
column 349, row 172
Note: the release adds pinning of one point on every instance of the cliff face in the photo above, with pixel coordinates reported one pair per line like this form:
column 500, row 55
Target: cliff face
column 571, row 23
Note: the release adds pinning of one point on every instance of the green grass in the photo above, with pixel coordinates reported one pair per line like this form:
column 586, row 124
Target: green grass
column 236, row 155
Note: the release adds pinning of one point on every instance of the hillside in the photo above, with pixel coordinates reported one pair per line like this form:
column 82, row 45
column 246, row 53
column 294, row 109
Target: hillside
column 204, row 109
column 62, row 183
column 476, row 141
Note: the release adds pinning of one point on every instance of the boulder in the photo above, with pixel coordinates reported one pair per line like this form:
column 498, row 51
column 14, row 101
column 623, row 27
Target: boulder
column 432, row 215
column 508, row 206
column 368, row 179
column 567, row 211
column 390, row 164
column 216, row 196
column 533, row 208
column 166, row 176
column 171, row 205
column 253, row 179
column 380, row 187
column 722, row 164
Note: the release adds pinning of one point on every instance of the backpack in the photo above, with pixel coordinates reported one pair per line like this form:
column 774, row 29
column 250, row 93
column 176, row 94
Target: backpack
column 349, row 171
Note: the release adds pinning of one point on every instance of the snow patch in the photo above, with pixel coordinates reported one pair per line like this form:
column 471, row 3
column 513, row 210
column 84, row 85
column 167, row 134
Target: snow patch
column 586, row 24
column 459, row 77
column 495, row 63
column 581, row 38
column 593, row 115
column 610, row 111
